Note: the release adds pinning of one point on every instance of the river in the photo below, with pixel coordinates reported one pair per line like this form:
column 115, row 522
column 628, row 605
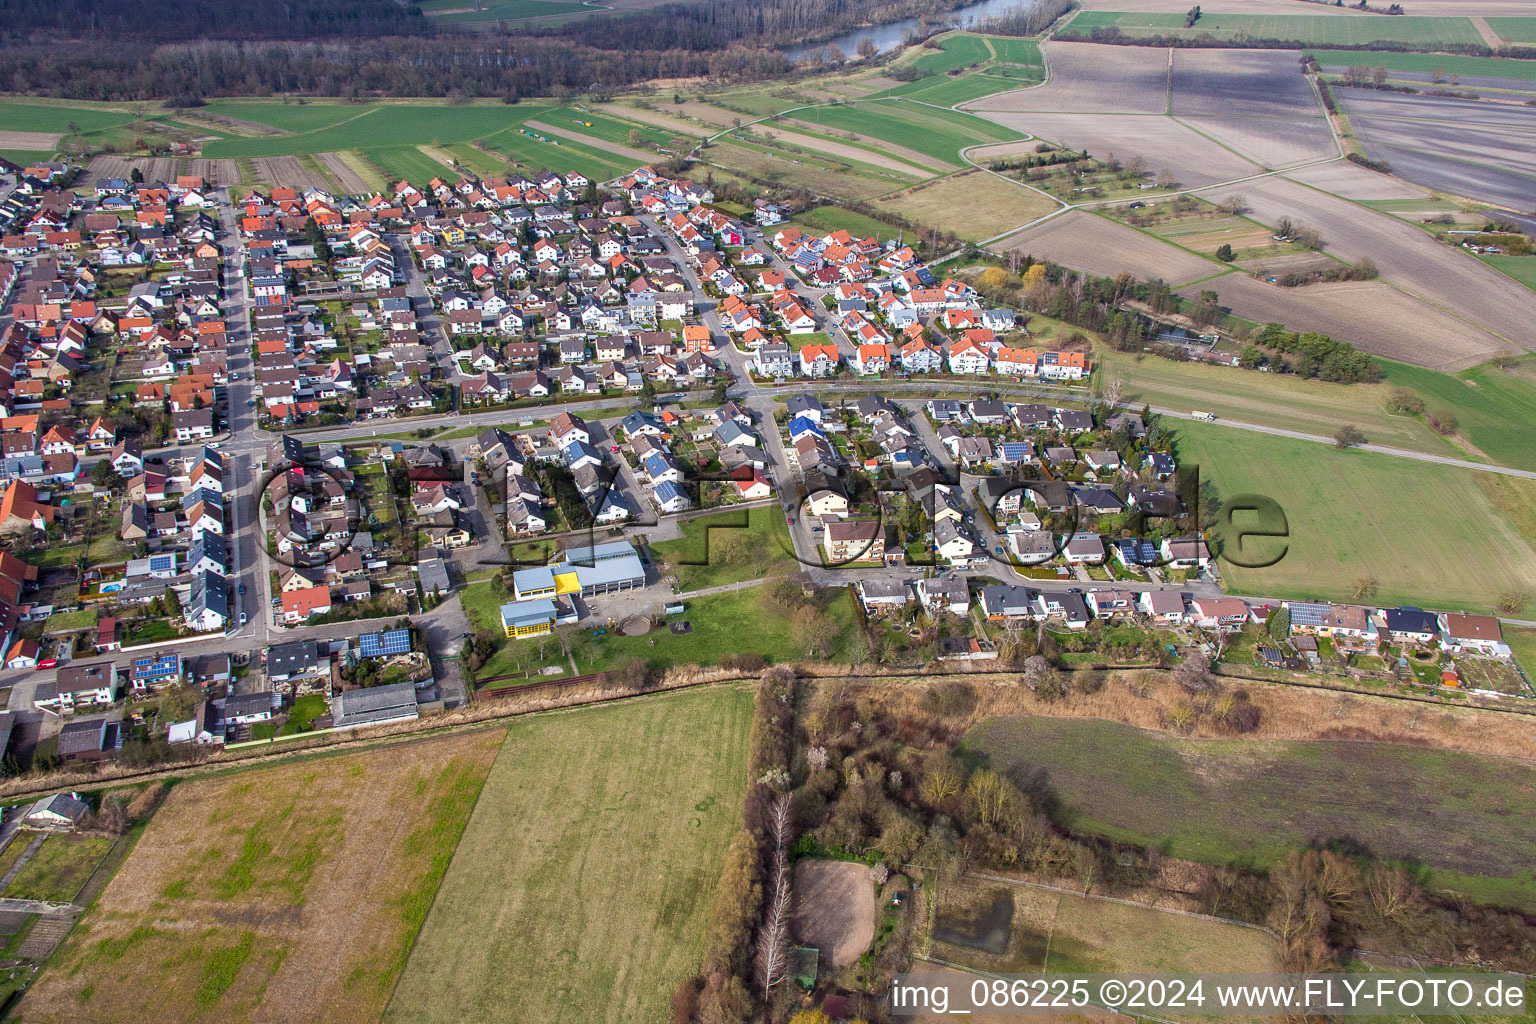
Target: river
column 888, row 36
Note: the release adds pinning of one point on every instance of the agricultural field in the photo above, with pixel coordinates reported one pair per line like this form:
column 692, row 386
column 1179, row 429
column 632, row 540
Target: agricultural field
column 1358, row 509
column 728, row 547
column 1494, row 312
column 1479, row 150
column 1515, row 30
column 968, row 66
column 1423, row 65
column 487, row 14
column 974, row 205
column 1092, row 78
column 1014, row 929
column 1101, row 246
column 580, row 888
column 934, row 131
column 1307, row 29
column 1521, row 268
column 288, row 893
column 816, row 140
column 319, row 127
column 1223, row 800
column 836, row 179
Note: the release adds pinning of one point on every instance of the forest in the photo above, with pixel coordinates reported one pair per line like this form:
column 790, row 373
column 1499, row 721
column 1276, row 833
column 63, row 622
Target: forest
column 357, row 48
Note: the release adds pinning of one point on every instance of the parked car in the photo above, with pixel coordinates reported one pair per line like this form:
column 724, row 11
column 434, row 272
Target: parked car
column 47, row 663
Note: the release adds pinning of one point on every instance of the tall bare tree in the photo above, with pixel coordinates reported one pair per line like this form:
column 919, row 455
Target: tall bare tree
column 773, row 941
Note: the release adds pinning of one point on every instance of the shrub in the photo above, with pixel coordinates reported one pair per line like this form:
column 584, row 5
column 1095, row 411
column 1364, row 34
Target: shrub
column 950, row 700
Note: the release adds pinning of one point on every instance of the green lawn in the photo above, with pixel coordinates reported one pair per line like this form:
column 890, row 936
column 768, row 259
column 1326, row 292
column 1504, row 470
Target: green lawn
column 580, row 889
column 1221, row 801
column 1514, row 30
column 1523, row 643
column 1495, row 408
column 559, row 155
column 82, row 618
column 938, row 133
column 1427, row 63
column 409, row 163
column 59, row 868
column 604, row 126
column 1307, row 29
column 1430, row 535
column 959, row 50
column 728, row 547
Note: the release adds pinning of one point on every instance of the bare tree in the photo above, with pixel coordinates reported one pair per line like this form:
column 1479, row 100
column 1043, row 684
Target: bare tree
column 866, row 47
column 1363, row 586
column 1113, row 389
column 773, row 942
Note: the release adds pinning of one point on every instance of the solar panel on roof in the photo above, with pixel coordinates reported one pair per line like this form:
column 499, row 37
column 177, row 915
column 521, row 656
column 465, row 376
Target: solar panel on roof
column 159, row 563
column 380, row 645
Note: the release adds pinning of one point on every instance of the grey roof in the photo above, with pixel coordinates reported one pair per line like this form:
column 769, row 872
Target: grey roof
column 247, row 704
column 82, row 737
column 433, row 574
column 64, row 804
column 292, row 658
column 392, row 703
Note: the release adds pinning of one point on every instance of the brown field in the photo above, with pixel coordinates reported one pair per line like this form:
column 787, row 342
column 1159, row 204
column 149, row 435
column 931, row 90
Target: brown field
column 841, row 151
column 216, row 173
column 29, row 140
column 365, row 169
column 350, row 181
column 651, row 117
column 1084, row 241
column 1274, row 142
column 1165, row 144
column 1093, row 79
column 974, row 205
column 910, row 155
column 1369, row 314
column 155, row 169
column 639, row 156
column 286, row 170
column 834, row 908
column 1407, row 257
column 1352, row 181
column 709, row 114
column 289, row 893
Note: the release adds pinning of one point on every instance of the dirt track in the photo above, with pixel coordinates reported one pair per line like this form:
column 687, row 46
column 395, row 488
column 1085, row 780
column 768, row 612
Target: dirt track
column 350, row 181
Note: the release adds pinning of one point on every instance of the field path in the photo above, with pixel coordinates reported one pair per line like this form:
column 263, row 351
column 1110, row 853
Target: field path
column 1486, row 31
column 627, row 152
column 349, row 180
column 841, row 150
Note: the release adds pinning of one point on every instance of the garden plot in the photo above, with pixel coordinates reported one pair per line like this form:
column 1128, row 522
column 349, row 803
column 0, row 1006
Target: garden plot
column 1092, row 78
column 639, row 156
column 652, row 117
column 350, row 181
column 1409, row 259
column 40, row 141
column 1099, row 246
column 287, row 171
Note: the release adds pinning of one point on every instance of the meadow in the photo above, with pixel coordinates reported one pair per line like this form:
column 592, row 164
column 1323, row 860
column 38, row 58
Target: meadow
column 1521, row 268
column 323, row 127
column 1308, row 29
column 975, row 204
column 1251, row 801
column 287, row 893
column 936, row 132
column 1266, row 399
column 580, row 888
column 728, row 547
column 1065, row 933
column 1495, row 408
column 1431, row 535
